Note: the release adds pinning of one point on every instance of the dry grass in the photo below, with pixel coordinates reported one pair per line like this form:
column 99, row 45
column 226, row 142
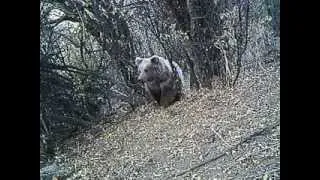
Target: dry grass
column 185, row 139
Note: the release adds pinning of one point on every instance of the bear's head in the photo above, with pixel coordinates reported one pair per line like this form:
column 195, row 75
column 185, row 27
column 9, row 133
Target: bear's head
column 149, row 69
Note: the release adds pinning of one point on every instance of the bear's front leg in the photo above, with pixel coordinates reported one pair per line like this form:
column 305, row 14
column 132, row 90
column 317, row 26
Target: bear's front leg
column 153, row 90
column 168, row 93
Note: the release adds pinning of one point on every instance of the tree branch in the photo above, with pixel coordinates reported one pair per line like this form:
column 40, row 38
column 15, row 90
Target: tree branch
column 63, row 18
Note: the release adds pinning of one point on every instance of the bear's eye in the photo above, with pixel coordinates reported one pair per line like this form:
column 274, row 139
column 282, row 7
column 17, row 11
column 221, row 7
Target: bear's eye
column 146, row 70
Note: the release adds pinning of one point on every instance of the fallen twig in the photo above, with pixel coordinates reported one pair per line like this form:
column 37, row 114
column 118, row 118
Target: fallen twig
column 257, row 133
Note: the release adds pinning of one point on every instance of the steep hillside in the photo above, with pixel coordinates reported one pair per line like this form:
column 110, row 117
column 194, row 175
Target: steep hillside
column 211, row 134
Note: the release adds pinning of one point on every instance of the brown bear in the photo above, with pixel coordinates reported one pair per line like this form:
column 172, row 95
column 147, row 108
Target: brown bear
column 159, row 79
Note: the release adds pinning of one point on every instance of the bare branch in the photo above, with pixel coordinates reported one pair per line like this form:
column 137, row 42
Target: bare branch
column 245, row 140
column 63, row 18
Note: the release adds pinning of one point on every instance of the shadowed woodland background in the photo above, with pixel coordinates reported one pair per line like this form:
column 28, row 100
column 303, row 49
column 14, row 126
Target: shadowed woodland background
column 87, row 52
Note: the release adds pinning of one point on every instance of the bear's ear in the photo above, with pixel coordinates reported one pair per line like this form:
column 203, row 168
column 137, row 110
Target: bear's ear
column 155, row 60
column 138, row 61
